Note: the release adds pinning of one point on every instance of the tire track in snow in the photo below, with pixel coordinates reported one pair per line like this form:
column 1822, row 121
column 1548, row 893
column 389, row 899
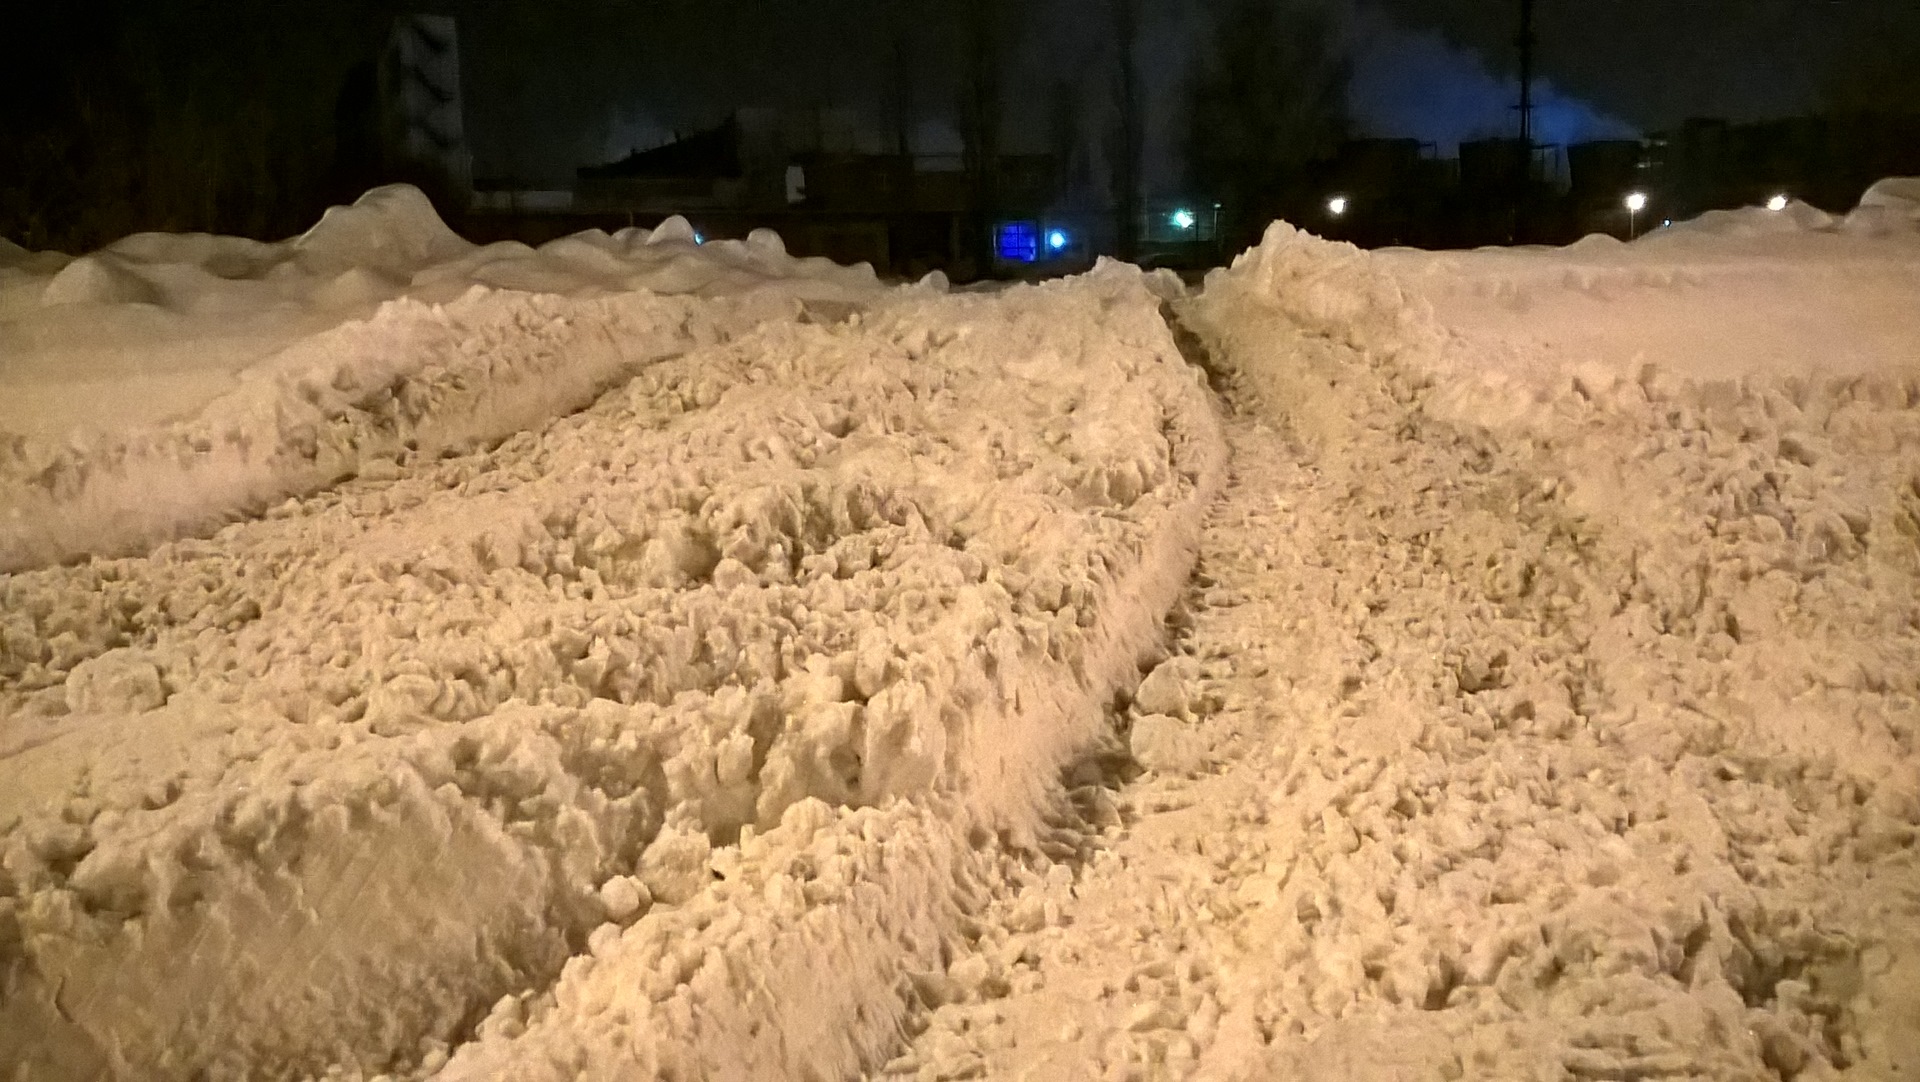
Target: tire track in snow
column 1414, row 810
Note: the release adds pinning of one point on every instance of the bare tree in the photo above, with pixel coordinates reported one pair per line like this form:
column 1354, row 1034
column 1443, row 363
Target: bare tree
column 1267, row 100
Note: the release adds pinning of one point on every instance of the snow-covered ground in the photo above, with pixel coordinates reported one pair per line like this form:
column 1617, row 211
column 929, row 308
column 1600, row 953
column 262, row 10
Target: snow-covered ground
column 1547, row 696
column 166, row 384
column 636, row 658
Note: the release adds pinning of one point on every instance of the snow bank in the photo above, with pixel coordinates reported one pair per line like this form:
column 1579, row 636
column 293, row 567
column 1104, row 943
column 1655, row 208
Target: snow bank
column 1890, row 206
column 666, row 740
column 1619, row 656
column 169, row 383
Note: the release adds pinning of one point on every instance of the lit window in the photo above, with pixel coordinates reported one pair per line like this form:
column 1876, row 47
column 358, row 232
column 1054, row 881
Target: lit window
column 1017, row 242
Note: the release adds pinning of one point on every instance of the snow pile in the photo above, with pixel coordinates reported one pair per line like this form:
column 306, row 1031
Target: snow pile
column 1795, row 217
column 169, row 383
column 658, row 742
column 1594, row 636
column 1890, row 206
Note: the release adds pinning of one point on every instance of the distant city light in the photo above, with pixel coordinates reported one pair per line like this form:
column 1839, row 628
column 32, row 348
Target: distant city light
column 1637, row 202
column 699, row 238
column 1056, row 239
column 1777, row 204
column 1183, row 219
column 1337, row 205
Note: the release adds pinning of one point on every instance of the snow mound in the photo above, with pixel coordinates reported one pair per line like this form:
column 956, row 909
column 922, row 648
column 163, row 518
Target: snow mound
column 1890, row 206
column 663, row 740
column 99, row 279
column 1796, row 217
column 1670, row 495
column 675, row 230
column 156, row 326
column 169, row 383
column 394, row 229
column 1504, row 333
column 414, row 381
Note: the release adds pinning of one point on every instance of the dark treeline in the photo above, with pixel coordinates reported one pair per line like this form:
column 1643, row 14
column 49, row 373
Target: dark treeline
column 1267, row 101
column 182, row 116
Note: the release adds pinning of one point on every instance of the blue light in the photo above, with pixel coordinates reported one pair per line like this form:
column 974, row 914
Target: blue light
column 699, row 239
column 1017, row 242
column 1183, row 219
column 1056, row 239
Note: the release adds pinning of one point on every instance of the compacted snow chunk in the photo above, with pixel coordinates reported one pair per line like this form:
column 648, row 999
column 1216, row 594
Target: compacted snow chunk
column 659, row 740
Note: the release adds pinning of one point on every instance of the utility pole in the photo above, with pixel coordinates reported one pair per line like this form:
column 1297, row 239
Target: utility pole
column 1523, row 189
column 1526, row 43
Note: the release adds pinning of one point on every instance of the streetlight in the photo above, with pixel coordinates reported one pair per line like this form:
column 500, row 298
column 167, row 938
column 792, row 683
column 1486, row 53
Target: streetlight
column 1056, row 239
column 1636, row 202
column 1777, row 204
column 1183, row 219
column 1337, row 206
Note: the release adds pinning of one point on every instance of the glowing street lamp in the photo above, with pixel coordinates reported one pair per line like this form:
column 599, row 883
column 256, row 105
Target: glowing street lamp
column 1183, row 219
column 1636, row 202
column 1777, row 204
column 1337, row 206
column 1056, row 239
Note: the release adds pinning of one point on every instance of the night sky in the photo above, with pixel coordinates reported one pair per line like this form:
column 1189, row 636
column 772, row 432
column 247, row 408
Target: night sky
column 551, row 85
column 602, row 77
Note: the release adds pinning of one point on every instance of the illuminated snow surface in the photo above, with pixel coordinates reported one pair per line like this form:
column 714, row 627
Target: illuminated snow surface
column 635, row 659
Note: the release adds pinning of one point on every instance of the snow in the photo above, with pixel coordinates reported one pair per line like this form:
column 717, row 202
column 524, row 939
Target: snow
column 169, row 383
column 642, row 658
column 1558, row 671
column 508, row 727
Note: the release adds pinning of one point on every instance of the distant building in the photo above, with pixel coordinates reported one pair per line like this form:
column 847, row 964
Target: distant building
column 422, row 113
column 805, row 174
column 1602, row 174
column 1828, row 161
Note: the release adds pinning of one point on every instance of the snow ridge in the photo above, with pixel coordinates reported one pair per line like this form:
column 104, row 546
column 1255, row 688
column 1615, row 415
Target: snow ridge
column 590, row 754
column 1601, row 756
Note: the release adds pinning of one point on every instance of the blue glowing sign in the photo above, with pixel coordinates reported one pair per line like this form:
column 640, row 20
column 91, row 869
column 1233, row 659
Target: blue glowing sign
column 1017, row 242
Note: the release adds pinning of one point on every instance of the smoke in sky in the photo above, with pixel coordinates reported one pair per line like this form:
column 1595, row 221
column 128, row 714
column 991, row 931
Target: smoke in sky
column 1411, row 83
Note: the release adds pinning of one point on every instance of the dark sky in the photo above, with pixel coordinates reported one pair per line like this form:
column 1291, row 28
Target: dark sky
column 551, row 84
column 548, row 82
